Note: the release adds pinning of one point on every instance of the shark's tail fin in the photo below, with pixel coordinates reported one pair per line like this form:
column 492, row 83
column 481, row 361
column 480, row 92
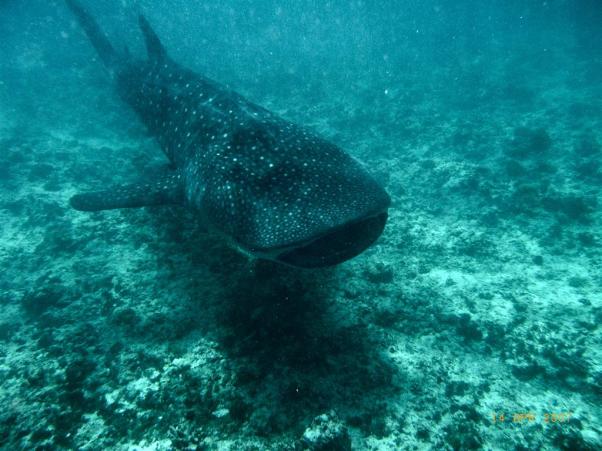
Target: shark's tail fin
column 155, row 49
column 99, row 40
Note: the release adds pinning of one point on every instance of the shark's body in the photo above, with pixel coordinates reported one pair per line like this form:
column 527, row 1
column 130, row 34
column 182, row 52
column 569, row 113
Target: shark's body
column 273, row 189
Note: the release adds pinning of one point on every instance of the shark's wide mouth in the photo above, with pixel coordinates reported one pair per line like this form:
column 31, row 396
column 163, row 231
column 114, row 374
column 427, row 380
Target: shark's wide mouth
column 338, row 245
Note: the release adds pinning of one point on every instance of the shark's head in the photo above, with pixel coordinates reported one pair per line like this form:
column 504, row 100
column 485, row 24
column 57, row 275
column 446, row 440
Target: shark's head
column 298, row 200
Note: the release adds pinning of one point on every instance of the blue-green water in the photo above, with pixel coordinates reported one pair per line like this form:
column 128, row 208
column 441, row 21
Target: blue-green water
column 473, row 321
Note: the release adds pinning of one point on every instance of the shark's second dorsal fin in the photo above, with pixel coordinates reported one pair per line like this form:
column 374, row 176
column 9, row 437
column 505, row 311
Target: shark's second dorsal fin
column 155, row 49
column 161, row 191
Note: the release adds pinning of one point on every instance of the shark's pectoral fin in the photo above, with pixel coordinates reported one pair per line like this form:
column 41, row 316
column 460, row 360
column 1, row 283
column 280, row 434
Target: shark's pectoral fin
column 161, row 191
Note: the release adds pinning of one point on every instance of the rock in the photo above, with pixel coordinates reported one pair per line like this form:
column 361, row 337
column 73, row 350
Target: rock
column 575, row 207
column 326, row 433
column 36, row 302
column 40, row 171
column 380, row 273
column 587, row 146
column 528, row 371
column 514, row 169
column 529, row 142
column 538, row 260
column 125, row 317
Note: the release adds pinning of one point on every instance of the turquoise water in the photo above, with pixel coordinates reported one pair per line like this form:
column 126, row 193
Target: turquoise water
column 472, row 322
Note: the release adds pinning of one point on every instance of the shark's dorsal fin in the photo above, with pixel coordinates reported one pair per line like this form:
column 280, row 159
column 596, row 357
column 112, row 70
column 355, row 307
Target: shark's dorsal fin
column 155, row 49
column 167, row 189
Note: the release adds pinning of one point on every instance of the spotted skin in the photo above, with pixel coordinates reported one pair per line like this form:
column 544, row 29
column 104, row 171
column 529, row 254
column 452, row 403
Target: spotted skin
column 270, row 186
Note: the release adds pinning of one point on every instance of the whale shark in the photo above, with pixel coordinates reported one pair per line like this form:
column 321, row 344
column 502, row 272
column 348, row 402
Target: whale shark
column 273, row 189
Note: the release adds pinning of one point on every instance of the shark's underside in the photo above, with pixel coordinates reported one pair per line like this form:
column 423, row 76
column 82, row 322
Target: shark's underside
column 273, row 189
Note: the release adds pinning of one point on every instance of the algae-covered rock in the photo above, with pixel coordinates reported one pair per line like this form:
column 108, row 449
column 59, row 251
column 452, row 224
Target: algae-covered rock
column 36, row 302
column 529, row 142
column 326, row 433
